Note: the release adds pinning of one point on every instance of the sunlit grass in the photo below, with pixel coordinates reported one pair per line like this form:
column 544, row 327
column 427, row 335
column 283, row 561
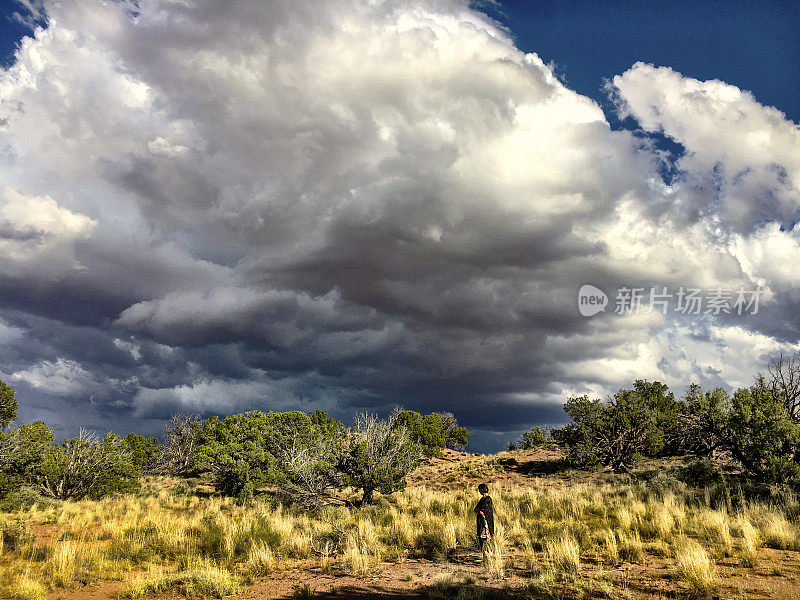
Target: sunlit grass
column 183, row 543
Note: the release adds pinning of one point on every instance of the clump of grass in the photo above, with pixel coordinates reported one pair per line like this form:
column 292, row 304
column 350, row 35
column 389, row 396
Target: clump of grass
column 493, row 562
column 779, row 533
column 657, row 548
column 25, row 588
column 715, row 528
column 564, row 555
column 74, row 561
column 261, row 560
column 597, row 587
column 14, row 535
column 362, row 553
column 206, row 580
column 610, row 546
column 304, row 592
column 751, row 541
column 625, row 517
column 696, row 568
column 631, row 547
column 325, row 558
column 529, row 555
column 542, row 582
column 664, row 522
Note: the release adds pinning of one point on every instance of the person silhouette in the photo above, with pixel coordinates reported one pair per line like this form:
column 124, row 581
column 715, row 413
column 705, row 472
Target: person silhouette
column 484, row 516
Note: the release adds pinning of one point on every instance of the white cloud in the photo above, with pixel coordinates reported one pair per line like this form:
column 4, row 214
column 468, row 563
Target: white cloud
column 38, row 235
column 745, row 149
column 63, row 377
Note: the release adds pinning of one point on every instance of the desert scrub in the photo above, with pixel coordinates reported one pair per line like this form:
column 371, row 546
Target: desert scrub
column 778, row 532
column 203, row 581
column 14, row 535
column 563, row 554
column 167, row 533
column 696, row 568
column 751, row 542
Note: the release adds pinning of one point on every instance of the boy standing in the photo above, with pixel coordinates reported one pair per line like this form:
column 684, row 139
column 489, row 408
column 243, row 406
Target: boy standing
column 484, row 516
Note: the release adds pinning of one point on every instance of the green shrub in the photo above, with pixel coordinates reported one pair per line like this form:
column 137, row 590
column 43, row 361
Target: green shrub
column 14, row 535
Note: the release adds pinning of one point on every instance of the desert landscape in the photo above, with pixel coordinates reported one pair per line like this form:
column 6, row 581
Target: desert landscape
column 560, row 533
column 399, row 299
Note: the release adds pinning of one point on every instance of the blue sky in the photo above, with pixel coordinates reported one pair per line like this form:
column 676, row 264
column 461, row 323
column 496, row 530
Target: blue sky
column 752, row 45
column 218, row 207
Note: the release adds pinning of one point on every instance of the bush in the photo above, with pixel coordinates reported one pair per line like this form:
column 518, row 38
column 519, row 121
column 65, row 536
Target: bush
column 14, row 535
column 23, row 498
column 144, row 451
column 432, row 432
column 80, row 467
column 613, row 434
column 377, row 455
column 85, row 467
column 531, row 439
column 702, row 473
column 294, row 451
column 753, row 425
column 235, row 451
column 178, row 455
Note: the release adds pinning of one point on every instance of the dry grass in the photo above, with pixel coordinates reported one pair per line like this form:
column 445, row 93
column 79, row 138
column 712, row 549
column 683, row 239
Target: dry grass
column 751, row 542
column 185, row 543
column 493, row 562
column 696, row 568
column 779, row 532
column 203, row 581
column 564, row 556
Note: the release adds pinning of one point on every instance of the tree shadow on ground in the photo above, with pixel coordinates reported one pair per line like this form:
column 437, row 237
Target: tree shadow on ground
column 534, row 467
column 442, row 591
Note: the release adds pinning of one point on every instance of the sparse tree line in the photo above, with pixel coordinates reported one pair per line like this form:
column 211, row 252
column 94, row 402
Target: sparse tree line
column 307, row 458
column 756, row 428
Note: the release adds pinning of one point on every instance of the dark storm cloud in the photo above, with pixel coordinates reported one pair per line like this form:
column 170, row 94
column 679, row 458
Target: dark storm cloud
column 359, row 206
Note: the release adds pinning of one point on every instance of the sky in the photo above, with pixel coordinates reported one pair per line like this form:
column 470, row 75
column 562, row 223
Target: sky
column 215, row 207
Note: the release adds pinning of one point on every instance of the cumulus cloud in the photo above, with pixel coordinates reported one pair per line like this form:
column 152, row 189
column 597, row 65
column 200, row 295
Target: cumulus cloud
column 37, row 237
column 357, row 205
column 742, row 152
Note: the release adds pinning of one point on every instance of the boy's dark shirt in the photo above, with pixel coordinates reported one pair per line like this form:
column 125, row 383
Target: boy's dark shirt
column 485, row 505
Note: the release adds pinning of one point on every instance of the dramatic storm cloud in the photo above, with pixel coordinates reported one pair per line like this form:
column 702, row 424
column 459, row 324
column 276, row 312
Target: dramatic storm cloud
column 214, row 207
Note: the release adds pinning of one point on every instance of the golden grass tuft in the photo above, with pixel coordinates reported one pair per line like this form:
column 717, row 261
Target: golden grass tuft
column 261, row 560
column 779, row 533
column 493, row 561
column 631, row 548
column 696, row 568
column 751, row 542
column 564, row 555
column 715, row 528
column 26, row 588
column 204, row 581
